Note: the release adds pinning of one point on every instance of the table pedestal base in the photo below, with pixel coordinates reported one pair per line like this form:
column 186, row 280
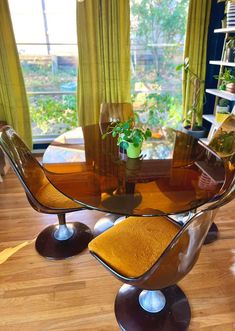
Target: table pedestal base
column 48, row 246
column 130, row 316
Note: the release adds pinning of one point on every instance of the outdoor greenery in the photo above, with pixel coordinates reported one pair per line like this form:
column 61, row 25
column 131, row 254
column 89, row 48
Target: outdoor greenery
column 157, row 38
column 53, row 114
column 41, row 74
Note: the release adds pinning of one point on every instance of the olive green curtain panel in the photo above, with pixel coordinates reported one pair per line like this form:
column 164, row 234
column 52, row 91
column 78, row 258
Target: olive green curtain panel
column 13, row 100
column 103, row 29
column 196, row 51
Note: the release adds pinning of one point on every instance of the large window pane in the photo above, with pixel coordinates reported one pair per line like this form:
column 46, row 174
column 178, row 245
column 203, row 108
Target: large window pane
column 157, row 39
column 45, row 32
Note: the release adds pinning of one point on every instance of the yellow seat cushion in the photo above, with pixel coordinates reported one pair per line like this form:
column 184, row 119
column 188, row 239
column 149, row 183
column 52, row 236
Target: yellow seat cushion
column 50, row 197
column 134, row 245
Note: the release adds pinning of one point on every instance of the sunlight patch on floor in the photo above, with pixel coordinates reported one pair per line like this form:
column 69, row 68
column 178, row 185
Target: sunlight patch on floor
column 8, row 252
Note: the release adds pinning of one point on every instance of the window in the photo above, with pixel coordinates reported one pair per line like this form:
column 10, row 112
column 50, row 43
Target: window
column 157, row 43
column 46, row 38
column 45, row 32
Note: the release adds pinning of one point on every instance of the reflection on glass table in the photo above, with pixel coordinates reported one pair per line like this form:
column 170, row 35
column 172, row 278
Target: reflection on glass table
column 165, row 180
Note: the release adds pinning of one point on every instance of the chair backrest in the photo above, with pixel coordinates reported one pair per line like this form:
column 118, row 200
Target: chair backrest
column 180, row 256
column 223, row 141
column 26, row 167
column 114, row 112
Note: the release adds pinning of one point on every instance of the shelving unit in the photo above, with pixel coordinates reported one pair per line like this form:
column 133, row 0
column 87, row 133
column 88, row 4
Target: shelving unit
column 222, row 94
column 223, row 63
column 216, row 92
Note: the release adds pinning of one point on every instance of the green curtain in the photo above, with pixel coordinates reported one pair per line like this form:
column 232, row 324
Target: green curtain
column 103, row 28
column 196, row 51
column 13, row 100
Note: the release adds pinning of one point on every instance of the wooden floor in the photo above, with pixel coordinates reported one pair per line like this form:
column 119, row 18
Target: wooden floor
column 78, row 294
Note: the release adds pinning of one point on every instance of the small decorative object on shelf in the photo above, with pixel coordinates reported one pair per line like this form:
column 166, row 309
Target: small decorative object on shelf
column 130, row 137
column 230, row 50
column 222, row 110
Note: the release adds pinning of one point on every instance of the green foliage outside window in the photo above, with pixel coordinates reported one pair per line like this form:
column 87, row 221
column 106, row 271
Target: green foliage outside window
column 53, row 115
column 157, row 37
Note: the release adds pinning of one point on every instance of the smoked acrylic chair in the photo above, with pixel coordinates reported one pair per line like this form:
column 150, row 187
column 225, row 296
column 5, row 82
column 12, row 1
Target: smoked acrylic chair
column 150, row 255
column 114, row 112
column 111, row 112
column 56, row 241
column 223, row 143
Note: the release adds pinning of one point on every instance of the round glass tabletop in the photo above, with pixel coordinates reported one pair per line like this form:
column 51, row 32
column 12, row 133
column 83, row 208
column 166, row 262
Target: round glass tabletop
column 174, row 174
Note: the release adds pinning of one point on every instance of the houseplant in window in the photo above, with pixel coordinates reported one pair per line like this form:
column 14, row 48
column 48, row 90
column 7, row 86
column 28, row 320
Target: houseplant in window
column 222, row 110
column 194, row 113
column 128, row 136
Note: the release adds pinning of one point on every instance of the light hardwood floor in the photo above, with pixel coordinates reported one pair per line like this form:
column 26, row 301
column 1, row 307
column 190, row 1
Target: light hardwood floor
column 78, row 294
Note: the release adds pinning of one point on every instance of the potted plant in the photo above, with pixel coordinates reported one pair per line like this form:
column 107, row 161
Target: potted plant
column 129, row 137
column 193, row 117
column 227, row 80
column 222, row 110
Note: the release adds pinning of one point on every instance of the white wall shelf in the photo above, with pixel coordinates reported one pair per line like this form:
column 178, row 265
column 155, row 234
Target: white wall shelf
column 223, row 63
column 225, row 30
column 212, row 120
column 222, row 94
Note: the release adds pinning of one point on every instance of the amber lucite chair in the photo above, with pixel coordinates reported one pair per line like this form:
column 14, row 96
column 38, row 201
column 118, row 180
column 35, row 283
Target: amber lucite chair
column 56, row 241
column 111, row 112
column 150, row 255
column 223, row 143
column 114, row 112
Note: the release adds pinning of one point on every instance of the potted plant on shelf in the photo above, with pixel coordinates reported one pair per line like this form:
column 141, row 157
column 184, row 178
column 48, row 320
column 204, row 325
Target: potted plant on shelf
column 226, row 80
column 193, row 117
column 222, row 110
column 130, row 137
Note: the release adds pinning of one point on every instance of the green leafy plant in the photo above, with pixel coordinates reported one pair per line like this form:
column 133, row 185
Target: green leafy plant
column 127, row 133
column 225, row 78
column 194, row 111
column 224, row 143
column 231, row 43
column 53, row 114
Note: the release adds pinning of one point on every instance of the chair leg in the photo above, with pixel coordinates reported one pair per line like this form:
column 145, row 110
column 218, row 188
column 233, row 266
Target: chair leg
column 63, row 240
column 152, row 301
column 174, row 310
column 64, row 231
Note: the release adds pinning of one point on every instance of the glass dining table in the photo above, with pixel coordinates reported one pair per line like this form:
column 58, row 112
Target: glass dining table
column 175, row 173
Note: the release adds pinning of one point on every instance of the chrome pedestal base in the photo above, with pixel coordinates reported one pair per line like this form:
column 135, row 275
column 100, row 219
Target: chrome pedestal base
column 48, row 246
column 106, row 222
column 175, row 316
column 152, row 301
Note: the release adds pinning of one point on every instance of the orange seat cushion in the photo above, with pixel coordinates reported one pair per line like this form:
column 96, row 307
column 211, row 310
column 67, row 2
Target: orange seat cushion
column 133, row 246
column 50, row 197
